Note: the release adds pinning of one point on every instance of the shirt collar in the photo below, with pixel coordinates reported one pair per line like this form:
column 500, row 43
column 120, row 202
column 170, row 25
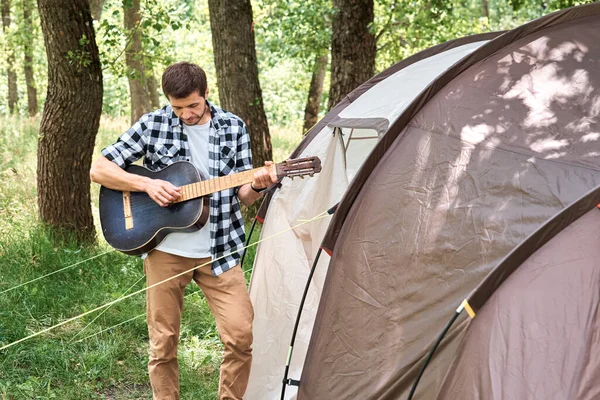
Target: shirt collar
column 216, row 116
column 173, row 119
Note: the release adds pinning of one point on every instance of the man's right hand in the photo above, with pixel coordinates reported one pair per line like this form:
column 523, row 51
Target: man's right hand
column 109, row 174
column 162, row 192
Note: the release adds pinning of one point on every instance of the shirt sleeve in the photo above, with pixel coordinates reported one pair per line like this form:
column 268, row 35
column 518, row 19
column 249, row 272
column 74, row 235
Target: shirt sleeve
column 130, row 147
column 244, row 153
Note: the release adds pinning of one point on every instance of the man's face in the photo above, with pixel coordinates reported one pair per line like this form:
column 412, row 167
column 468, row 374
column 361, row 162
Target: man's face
column 192, row 110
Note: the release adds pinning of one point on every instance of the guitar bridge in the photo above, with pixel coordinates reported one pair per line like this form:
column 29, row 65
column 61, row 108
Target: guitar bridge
column 127, row 210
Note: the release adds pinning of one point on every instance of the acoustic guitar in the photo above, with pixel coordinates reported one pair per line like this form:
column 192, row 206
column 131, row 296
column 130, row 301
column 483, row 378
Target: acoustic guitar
column 134, row 224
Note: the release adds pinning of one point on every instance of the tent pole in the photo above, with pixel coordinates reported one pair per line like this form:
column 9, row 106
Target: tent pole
column 433, row 349
column 247, row 243
column 287, row 381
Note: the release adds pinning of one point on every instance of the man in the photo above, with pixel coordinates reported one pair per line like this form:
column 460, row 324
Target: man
column 216, row 142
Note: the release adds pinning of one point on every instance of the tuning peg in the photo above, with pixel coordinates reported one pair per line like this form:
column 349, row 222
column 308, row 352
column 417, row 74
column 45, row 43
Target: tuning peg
column 302, row 176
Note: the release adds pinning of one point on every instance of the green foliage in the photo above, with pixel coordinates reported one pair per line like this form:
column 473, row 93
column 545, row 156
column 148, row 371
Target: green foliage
column 289, row 35
column 161, row 22
column 18, row 145
column 554, row 5
column 286, row 101
column 291, row 29
column 13, row 41
column 404, row 27
column 550, row 5
column 56, row 366
column 80, row 58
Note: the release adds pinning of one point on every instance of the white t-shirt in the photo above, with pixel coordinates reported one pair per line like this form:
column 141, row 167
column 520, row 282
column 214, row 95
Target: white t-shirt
column 194, row 244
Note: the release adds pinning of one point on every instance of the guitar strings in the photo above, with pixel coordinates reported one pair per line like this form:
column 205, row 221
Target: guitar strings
column 302, row 171
column 151, row 205
column 55, row 272
column 321, row 215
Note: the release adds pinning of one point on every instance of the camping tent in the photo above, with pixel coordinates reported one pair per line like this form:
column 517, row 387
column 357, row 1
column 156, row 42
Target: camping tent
column 452, row 169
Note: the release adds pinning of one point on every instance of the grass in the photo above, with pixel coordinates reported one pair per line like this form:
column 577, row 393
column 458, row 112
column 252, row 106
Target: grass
column 77, row 361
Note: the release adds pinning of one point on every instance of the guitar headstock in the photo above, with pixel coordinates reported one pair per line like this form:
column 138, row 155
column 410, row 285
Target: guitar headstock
column 300, row 167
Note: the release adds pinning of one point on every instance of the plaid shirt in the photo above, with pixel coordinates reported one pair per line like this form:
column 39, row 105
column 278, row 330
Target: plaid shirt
column 159, row 138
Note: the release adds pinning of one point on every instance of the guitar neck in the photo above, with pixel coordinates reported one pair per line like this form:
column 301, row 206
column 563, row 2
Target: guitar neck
column 202, row 188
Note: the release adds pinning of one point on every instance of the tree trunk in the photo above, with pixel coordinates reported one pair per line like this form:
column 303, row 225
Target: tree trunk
column 237, row 71
column 140, row 102
column 10, row 70
column 32, row 104
column 96, row 7
column 311, row 112
column 485, row 9
column 353, row 47
column 153, row 90
column 70, row 118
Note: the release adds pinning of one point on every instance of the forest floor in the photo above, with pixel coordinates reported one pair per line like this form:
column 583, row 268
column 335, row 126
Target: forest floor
column 102, row 355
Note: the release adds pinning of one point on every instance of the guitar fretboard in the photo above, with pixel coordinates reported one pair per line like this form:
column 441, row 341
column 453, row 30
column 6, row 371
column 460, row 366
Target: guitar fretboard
column 199, row 189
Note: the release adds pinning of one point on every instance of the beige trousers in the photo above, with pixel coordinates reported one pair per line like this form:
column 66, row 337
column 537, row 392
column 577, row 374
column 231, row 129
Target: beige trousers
column 229, row 301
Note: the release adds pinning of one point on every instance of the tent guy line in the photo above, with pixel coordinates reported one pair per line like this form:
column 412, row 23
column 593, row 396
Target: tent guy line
column 126, row 321
column 144, row 314
column 55, row 272
column 106, row 309
column 321, row 215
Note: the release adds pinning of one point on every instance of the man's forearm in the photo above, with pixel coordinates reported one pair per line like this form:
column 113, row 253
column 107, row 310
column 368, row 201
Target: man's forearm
column 247, row 196
column 263, row 177
column 110, row 175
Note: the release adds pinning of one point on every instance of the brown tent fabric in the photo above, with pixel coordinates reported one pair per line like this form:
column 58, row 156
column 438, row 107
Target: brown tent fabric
column 494, row 149
column 529, row 246
column 538, row 336
column 575, row 14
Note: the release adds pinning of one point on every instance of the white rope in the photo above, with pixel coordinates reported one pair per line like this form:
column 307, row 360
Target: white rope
column 318, row 216
column 106, row 309
column 55, row 272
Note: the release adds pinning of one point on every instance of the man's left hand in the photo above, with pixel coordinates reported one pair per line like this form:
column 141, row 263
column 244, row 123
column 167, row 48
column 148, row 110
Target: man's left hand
column 264, row 177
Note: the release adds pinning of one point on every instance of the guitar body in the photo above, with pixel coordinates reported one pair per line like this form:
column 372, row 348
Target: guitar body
column 134, row 224
column 149, row 223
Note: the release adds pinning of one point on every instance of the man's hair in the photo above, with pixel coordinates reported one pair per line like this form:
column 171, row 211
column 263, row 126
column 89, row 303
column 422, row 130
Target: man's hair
column 182, row 79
